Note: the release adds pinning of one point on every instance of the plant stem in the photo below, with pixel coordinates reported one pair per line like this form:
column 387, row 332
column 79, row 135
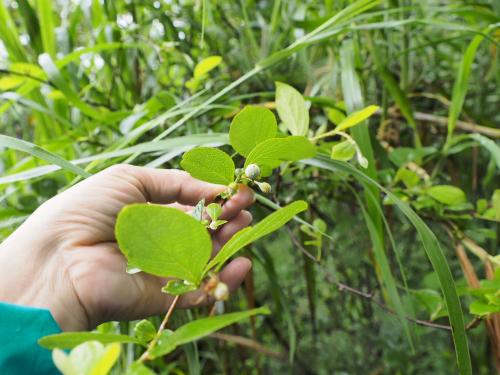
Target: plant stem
column 163, row 325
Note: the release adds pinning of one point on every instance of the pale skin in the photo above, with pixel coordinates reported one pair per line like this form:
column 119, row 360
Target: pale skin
column 65, row 258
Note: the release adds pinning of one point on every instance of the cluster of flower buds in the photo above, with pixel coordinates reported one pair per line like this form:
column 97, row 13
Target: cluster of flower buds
column 252, row 172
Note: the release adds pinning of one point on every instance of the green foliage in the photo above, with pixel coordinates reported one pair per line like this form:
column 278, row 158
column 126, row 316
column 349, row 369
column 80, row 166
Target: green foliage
column 292, row 109
column 85, row 86
column 200, row 328
column 163, row 241
column 251, row 126
column 69, row 340
column 209, row 164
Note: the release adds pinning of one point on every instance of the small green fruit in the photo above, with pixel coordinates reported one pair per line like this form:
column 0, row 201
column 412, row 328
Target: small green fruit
column 252, row 171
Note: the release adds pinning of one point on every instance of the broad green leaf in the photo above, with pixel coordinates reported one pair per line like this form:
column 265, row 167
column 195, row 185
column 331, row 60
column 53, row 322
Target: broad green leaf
column 206, row 65
column 209, row 164
column 481, row 308
column 36, row 151
column 163, row 241
column 409, row 178
column 357, row 117
column 251, row 234
column 292, row 109
column 178, row 287
column 272, row 152
column 68, row 340
column 197, row 329
column 403, row 155
column 144, row 331
column 10, row 82
column 447, row 194
column 433, row 251
column 28, row 69
column 343, row 151
column 495, row 201
column 251, row 126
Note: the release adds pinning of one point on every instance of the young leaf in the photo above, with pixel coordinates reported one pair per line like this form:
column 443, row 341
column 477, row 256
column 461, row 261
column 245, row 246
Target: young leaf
column 251, row 234
column 214, row 210
column 357, row 117
column 292, row 109
column 206, row 65
column 343, row 151
column 68, row 340
column 163, row 241
column 447, row 194
column 209, row 164
column 251, row 126
column 272, row 152
column 178, row 287
column 10, row 82
column 197, row 329
column 144, row 331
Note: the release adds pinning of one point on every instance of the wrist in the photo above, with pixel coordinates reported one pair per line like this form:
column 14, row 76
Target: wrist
column 31, row 276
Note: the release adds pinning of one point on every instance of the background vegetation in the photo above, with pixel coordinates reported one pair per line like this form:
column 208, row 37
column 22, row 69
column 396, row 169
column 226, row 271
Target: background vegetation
column 102, row 82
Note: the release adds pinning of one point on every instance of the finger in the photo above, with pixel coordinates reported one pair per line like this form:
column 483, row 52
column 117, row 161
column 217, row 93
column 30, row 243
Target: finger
column 233, row 275
column 243, row 199
column 166, row 185
column 242, row 220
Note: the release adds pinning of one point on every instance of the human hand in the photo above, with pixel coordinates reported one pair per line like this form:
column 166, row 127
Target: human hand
column 65, row 257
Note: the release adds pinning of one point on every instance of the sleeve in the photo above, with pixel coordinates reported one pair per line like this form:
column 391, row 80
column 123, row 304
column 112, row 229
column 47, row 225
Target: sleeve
column 20, row 329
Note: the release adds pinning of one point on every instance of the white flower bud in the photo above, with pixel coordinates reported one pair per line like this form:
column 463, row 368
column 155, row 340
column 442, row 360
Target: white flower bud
column 221, row 292
column 264, row 187
column 252, row 171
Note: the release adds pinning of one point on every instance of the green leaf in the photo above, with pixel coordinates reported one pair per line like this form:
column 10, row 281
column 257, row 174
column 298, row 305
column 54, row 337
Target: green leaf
column 90, row 358
column 481, row 309
column 251, row 126
column 357, row 117
column 68, row 340
column 447, row 194
column 409, row 178
column 292, row 109
column 178, row 287
column 10, row 82
column 45, row 14
column 209, row 164
column 206, row 65
column 461, row 84
column 343, row 151
column 197, row 329
column 144, row 331
column 272, row 152
column 214, row 210
column 251, row 234
column 163, row 241
column 36, row 151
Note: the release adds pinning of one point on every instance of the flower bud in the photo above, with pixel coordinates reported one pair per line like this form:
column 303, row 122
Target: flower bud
column 264, row 187
column 213, row 225
column 252, row 171
column 221, row 291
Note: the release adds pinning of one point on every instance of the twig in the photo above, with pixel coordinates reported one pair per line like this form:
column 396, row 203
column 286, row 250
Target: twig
column 163, row 325
column 297, row 243
column 249, row 343
column 369, row 296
